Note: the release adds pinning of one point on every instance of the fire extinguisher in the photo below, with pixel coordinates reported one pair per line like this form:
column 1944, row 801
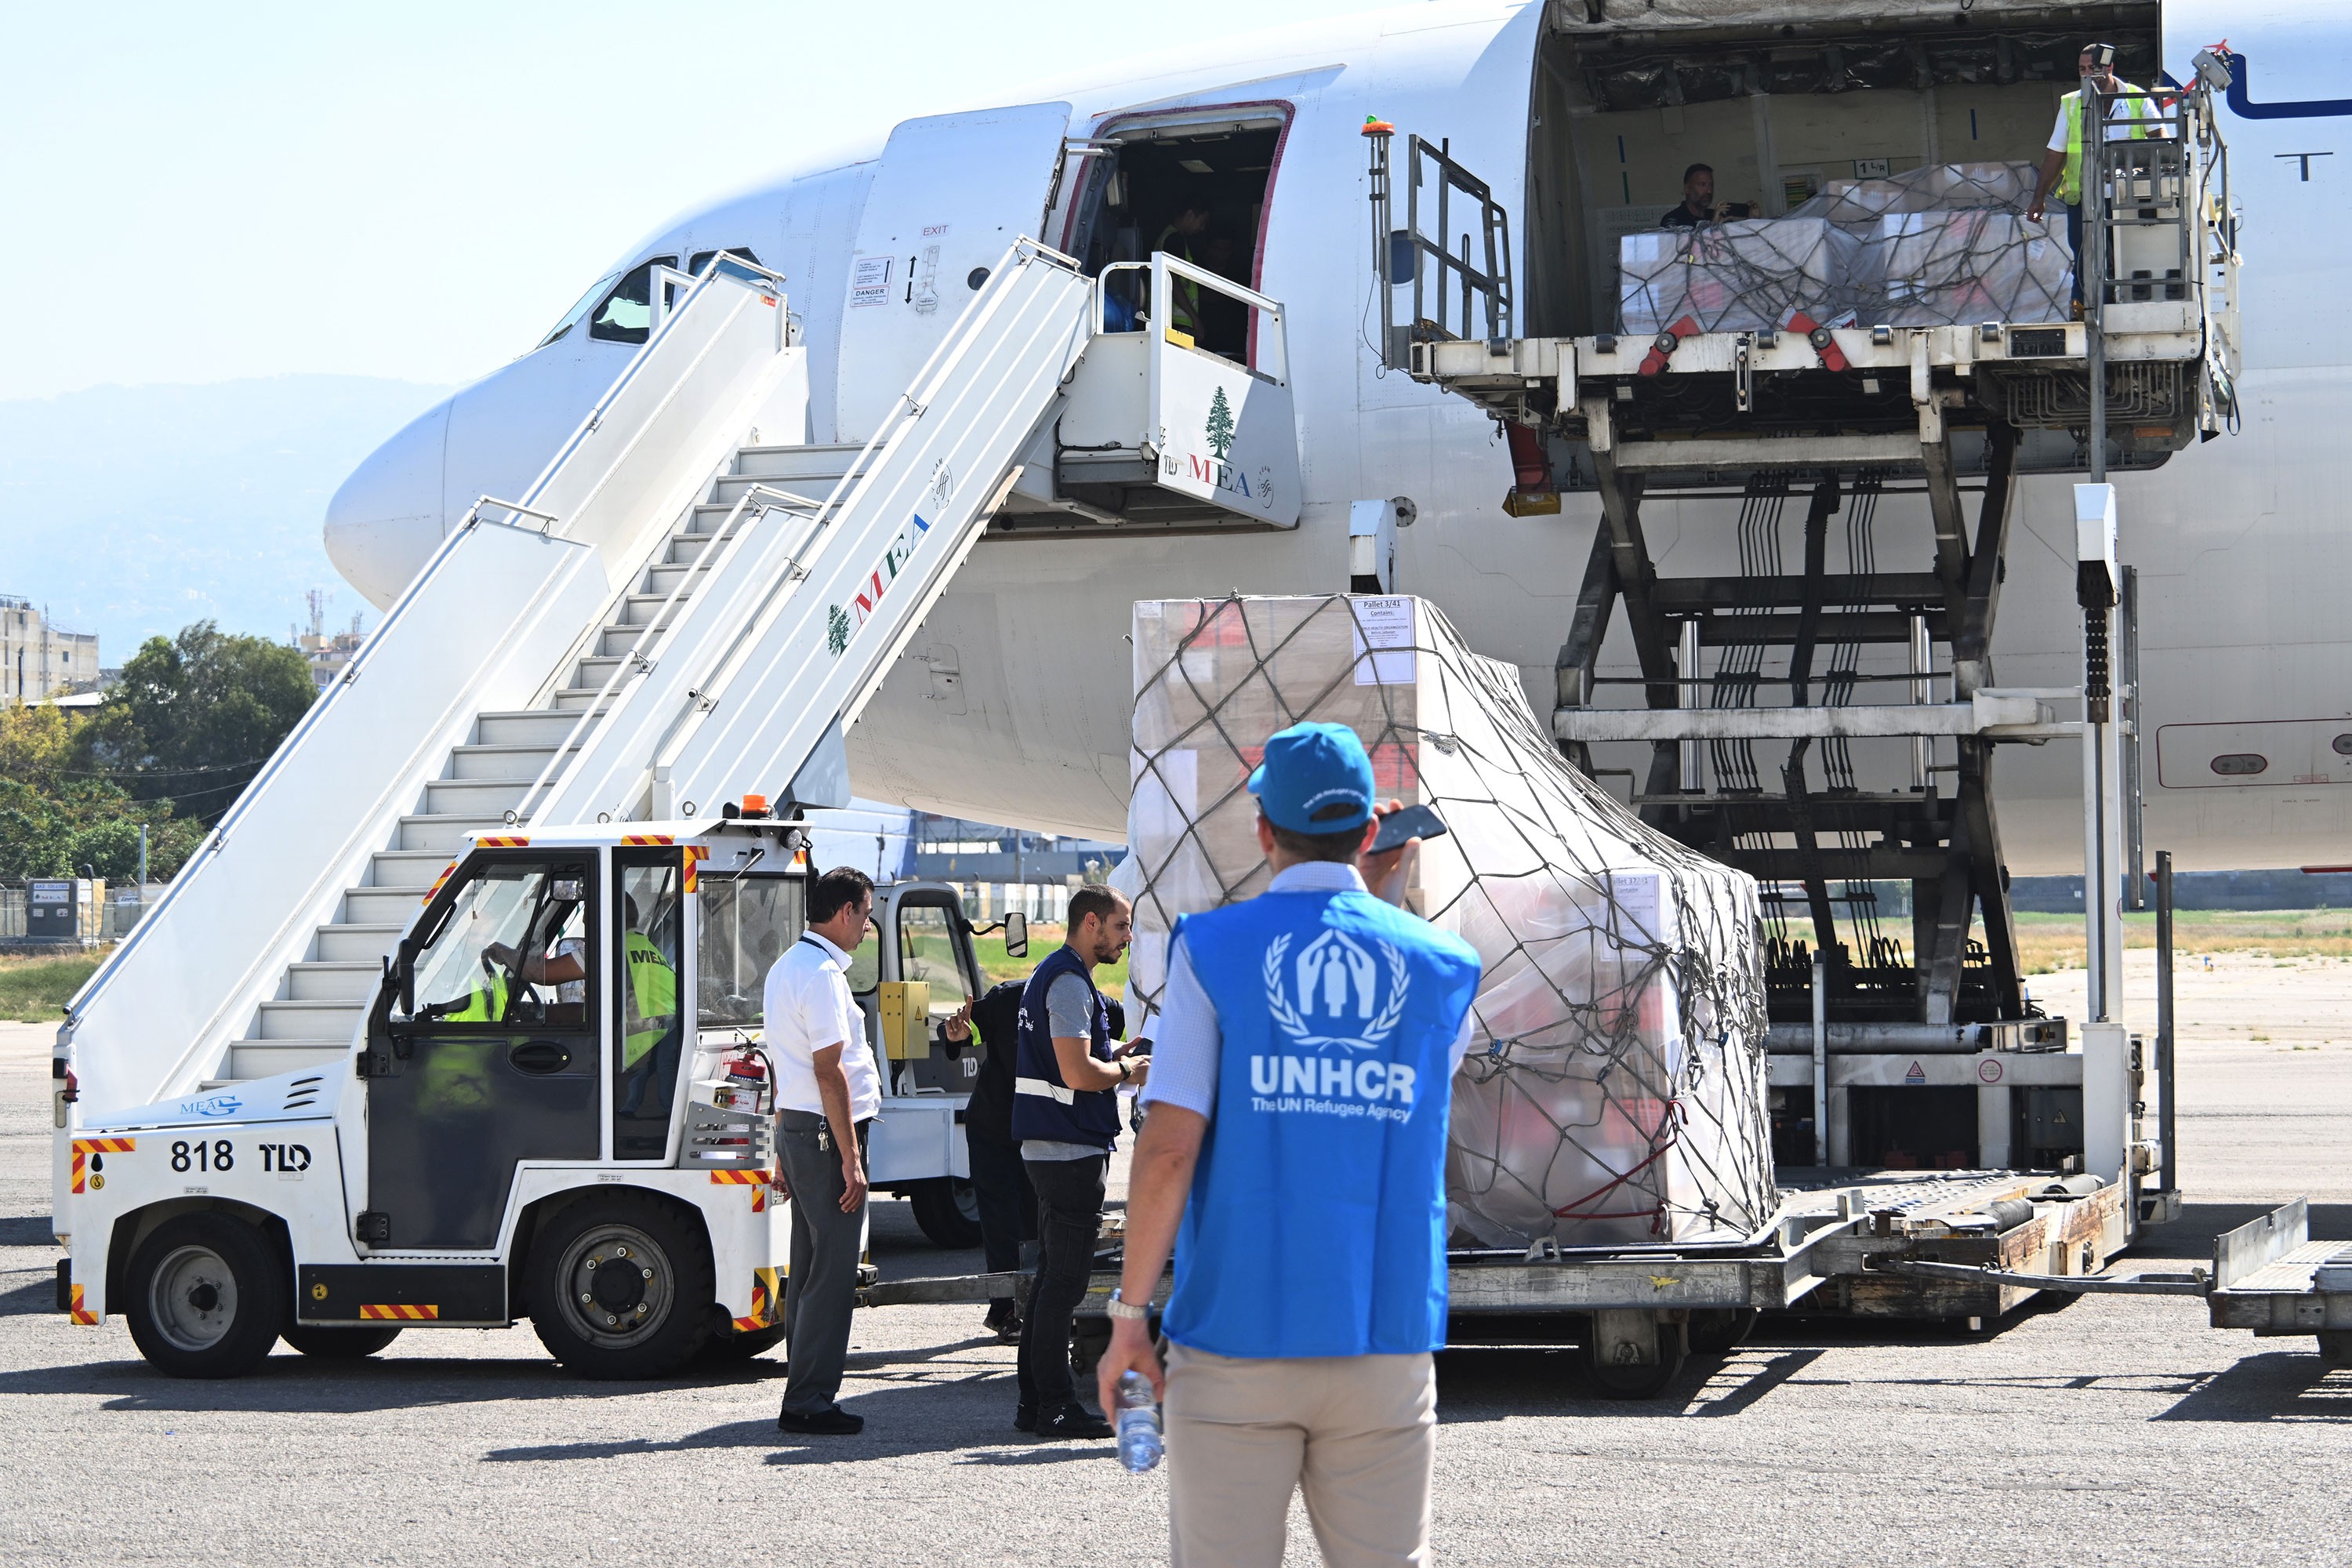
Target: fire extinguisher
column 751, row 1078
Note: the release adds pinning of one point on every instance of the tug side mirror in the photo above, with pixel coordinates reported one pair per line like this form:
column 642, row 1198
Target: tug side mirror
column 1016, row 935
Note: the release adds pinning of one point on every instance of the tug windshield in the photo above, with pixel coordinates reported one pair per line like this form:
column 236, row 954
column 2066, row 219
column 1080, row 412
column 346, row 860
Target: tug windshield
column 747, row 923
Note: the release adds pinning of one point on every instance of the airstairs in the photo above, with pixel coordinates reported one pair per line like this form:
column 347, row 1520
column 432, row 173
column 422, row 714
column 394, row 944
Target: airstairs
column 671, row 616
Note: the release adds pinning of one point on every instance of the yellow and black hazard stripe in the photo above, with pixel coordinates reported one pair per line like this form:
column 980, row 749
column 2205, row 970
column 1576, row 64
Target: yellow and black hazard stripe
column 764, row 1300
column 757, row 1181
column 85, row 1147
column 379, row 1312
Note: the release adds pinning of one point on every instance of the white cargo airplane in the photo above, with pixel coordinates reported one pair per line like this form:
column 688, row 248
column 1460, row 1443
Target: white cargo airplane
column 2242, row 647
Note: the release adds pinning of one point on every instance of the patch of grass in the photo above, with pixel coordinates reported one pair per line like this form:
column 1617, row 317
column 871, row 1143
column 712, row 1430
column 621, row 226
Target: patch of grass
column 36, row 990
column 2048, row 942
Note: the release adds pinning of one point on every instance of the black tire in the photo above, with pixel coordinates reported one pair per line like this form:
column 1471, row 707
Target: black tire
column 207, row 1296
column 647, row 1318
column 2335, row 1346
column 947, row 1210
column 1638, row 1382
column 1719, row 1331
column 738, row 1345
column 336, row 1344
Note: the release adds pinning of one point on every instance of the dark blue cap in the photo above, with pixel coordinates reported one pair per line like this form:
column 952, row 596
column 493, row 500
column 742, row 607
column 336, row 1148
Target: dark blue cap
column 1316, row 779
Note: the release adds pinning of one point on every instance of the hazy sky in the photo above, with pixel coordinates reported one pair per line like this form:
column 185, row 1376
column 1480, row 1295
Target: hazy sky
column 198, row 193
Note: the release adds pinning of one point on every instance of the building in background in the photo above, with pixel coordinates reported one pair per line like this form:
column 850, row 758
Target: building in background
column 330, row 653
column 950, row 849
column 38, row 662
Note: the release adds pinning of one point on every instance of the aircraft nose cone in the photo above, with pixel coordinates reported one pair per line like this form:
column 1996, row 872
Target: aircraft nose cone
column 386, row 519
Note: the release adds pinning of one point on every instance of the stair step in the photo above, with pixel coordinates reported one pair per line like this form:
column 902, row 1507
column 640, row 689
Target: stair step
column 444, row 832
column 576, row 699
column 639, row 610
column 309, row 1020
column 588, row 677
column 784, row 464
column 334, row 979
column 359, row 941
column 526, row 727
column 382, row 906
column 506, row 760
column 475, row 798
column 685, row 549
column 250, row 1059
column 618, row 638
column 409, row 870
column 817, row 485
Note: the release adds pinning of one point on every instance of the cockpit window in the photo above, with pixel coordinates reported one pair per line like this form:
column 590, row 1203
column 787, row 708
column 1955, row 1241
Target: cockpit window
column 586, row 302
column 702, row 257
column 626, row 316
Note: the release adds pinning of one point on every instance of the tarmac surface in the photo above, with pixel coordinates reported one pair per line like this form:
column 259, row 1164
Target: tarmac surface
column 2111, row 1430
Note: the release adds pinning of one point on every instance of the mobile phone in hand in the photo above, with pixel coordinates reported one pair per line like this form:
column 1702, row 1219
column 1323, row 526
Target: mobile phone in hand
column 1411, row 822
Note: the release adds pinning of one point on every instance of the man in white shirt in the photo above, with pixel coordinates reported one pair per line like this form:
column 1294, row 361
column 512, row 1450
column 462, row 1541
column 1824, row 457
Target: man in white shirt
column 827, row 1093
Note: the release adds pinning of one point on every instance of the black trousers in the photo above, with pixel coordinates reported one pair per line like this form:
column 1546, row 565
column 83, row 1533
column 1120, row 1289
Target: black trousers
column 1008, row 1206
column 1069, row 1217
column 821, row 1292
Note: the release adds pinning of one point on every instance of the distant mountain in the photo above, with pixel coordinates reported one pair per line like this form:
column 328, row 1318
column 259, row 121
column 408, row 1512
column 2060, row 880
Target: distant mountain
column 130, row 510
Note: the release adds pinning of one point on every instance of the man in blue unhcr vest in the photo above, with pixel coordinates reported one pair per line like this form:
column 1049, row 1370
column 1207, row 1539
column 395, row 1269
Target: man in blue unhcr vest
column 1301, row 1079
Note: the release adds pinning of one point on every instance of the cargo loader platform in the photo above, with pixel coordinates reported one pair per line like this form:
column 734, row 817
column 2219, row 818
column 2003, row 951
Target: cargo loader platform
column 1638, row 1312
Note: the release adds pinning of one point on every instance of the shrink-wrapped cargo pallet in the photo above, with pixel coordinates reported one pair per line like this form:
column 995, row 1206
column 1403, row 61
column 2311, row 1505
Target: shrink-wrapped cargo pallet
column 1946, row 268
column 1744, row 276
column 1614, row 1091
column 1942, row 245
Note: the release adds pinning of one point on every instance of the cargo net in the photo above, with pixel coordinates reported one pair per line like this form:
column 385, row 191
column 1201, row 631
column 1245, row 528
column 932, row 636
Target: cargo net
column 1943, row 245
column 1614, row 1091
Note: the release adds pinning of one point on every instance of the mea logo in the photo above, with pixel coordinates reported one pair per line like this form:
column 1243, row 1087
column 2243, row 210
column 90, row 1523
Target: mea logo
column 838, row 629
column 1339, row 984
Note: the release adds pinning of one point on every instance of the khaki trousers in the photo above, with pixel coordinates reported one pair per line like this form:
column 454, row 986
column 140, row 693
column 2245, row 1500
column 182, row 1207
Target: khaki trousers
column 1357, row 1434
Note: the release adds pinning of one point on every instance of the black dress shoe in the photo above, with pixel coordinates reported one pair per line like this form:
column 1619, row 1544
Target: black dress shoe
column 1024, row 1417
column 1072, row 1420
column 831, row 1421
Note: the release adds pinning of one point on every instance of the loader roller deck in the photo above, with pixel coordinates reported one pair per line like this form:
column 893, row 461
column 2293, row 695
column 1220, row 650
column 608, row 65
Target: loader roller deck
column 1638, row 1310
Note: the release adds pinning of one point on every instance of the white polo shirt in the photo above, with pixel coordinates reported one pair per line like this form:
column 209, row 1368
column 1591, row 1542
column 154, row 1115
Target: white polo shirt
column 807, row 1006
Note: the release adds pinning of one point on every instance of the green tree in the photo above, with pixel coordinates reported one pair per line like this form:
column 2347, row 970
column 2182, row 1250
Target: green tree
column 195, row 717
column 1220, row 430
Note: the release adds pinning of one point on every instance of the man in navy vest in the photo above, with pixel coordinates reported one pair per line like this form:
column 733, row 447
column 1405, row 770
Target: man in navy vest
column 1304, row 1069
column 1065, row 1114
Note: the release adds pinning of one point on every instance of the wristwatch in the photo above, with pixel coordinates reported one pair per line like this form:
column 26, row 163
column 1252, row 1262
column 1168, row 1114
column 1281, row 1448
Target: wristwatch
column 1122, row 1070
column 1118, row 1309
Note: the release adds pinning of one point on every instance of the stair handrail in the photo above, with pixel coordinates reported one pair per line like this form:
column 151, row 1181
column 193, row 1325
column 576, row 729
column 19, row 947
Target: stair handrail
column 959, row 341
column 731, row 636
column 218, row 837
column 734, row 268
column 639, row 659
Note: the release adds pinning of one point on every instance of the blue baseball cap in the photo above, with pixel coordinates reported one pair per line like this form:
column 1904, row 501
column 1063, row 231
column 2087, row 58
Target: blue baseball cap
column 1314, row 779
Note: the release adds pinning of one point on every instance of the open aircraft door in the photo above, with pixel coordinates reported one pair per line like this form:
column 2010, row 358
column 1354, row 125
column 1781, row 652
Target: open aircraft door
column 953, row 191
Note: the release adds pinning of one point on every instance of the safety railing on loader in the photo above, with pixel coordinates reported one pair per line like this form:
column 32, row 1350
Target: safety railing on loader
column 167, row 1002
column 771, row 661
column 1439, row 270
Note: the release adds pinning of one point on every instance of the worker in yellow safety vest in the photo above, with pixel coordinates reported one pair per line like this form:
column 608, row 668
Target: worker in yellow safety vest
column 2128, row 112
column 1184, row 294
column 651, row 994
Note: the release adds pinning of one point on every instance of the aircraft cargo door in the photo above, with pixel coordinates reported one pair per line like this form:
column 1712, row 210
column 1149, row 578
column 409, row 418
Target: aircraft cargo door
column 953, row 191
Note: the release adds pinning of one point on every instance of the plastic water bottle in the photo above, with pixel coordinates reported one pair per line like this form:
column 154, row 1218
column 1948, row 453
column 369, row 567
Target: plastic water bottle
column 1138, row 1423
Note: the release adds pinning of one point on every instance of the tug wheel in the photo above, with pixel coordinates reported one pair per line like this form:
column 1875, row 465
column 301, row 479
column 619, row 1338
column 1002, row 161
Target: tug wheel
column 336, row 1344
column 620, row 1287
column 207, row 1297
column 947, row 1209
